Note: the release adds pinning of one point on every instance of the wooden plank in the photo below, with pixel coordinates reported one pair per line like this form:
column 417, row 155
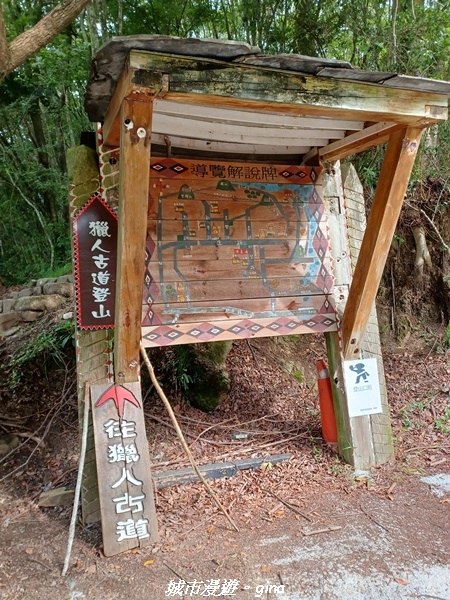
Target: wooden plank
column 231, row 148
column 410, row 82
column 357, row 142
column 123, row 465
column 191, row 333
column 217, row 83
column 211, row 172
column 264, row 233
column 223, row 270
column 391, row 188
column 279, row 248
column 336, row 213
column 354, row 435
column 235, row 289
column 126, row 88
column 214, row 114
column 371, row 347
column 262, row 134
column 421, row 115
column 187, row 312
column 214, row 471
column 173, row 209
column 133, row 205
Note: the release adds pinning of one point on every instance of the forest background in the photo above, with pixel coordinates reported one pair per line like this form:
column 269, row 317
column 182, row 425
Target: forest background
column 41, row 102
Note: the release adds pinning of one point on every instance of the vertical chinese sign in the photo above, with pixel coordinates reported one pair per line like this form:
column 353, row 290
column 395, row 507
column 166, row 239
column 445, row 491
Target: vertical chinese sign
column 95, row 258
column 123, row 467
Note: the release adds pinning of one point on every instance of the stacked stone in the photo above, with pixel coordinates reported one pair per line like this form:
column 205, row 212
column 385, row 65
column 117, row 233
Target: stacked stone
column 29, row 303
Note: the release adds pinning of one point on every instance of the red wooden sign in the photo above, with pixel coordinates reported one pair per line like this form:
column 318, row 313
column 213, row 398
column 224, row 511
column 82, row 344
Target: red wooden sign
column 95, row 253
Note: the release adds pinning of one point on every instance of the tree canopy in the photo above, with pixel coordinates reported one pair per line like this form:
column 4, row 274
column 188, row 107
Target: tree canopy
column 41, row 96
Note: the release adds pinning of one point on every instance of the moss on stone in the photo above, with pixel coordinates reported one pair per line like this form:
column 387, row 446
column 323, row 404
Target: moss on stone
column 202, row 373
column 87, row 188
column 81, row 164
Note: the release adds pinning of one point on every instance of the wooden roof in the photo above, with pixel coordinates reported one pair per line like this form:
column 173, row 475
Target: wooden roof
column 226, row 98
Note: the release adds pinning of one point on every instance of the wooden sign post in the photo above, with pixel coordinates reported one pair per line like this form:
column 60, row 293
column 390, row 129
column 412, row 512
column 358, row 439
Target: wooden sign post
column 123, row 467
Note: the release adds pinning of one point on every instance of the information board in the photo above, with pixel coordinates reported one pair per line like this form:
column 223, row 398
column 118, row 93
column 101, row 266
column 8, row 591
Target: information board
column 234, row 251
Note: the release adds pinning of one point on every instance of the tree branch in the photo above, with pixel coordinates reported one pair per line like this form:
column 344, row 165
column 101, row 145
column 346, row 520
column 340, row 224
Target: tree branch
column 31, row 41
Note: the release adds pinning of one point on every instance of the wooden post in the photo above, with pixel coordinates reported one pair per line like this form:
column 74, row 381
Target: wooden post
column 136, row 119
column 397, row 165
column 93, row 348
column 364, row 441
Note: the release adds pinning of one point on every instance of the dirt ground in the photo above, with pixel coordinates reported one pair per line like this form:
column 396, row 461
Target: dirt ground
column 335, row 536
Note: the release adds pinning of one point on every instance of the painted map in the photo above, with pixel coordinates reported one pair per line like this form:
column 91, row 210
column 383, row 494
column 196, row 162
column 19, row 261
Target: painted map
column 235, row 250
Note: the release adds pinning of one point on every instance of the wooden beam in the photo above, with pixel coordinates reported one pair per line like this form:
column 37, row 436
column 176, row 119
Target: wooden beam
column 136, row 119
column 242, row 132
column 357, row 142
column 142, row 90
column 246, row 117
column 217, row 83
column 395, row 172
column 235, row 149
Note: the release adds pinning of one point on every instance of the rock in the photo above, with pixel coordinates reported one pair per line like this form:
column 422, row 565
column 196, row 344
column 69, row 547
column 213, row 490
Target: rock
column 56, row 497
column 8, row 304
column 10, row 332
column 45, row 280
column 41, row 303
column 1, row 306
column 63, row 289
column 36, row 291
column 8, row 320
column 63, row 279
column 30, row 315
column 25, row 292
column 8, row 443
column 67, row 316
column 13, row 295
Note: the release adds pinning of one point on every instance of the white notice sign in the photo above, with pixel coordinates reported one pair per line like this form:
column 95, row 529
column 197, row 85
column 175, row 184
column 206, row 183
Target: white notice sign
column 362, row 387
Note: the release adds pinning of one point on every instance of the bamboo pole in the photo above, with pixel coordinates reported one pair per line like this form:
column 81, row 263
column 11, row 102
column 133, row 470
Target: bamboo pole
column 73, row 521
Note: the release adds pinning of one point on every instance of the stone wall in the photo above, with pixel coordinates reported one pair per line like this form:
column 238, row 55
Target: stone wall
column 29, row 303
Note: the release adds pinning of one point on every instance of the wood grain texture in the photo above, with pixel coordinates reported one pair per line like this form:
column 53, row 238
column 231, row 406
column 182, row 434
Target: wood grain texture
column 379, row 428
column 127, row 89
column 218, row 83
column 133, row 206
column 235, row 241
column 127, row 506
column 393, row 180
column 358, row 142
column 221, row 330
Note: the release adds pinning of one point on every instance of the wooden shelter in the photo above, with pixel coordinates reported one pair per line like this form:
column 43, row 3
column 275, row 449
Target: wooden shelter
column 232, row 217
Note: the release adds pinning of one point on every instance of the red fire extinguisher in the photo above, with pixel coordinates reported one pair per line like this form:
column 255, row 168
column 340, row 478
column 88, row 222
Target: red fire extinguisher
column 329, row 430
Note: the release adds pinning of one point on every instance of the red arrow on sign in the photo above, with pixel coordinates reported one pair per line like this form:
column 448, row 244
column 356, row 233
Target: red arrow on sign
column 119, row 395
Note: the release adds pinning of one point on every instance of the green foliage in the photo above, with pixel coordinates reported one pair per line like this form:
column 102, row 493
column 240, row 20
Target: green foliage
column 41, row 103
column 42, row 350
column 445, row 344
column 443, row 423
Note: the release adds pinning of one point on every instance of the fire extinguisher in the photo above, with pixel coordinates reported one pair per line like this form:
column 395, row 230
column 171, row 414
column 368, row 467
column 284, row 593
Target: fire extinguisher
column 328, row 419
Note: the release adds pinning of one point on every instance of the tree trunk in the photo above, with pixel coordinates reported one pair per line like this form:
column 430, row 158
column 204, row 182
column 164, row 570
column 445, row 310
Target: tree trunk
column 422, row 254
column 31, row 41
